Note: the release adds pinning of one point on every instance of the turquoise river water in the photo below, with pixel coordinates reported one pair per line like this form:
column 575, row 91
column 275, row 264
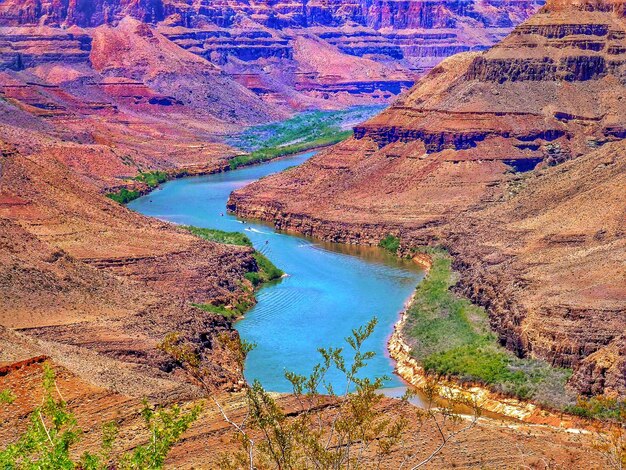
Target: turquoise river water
column 329, row 290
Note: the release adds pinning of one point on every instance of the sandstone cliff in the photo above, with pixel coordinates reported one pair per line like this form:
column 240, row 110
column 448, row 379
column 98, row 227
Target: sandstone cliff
column 445, row 164
column 97, row 287
column 258, row 43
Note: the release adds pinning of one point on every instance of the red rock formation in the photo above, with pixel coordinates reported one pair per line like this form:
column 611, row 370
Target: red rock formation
column 548, row 264
column 260, row 40
column 126, row 87
column 549, row 93
column 85, row 281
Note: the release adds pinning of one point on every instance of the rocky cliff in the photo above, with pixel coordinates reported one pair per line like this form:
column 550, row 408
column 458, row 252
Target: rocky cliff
column 462, row 142
column 97, row 287
column 113, row 101
column 377, row 14
column 259, row 43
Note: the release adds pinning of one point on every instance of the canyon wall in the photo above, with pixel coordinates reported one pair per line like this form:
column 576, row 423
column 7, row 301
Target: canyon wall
column 377, row 14
column 97, row 287
column 260, row 44
column 534, row 123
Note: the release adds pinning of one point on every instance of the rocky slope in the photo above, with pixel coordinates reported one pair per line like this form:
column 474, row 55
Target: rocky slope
column 97, row 287
column 454, row 150
column 260, row 44
column 488, row 445
column 118, row 100
column 549, row 265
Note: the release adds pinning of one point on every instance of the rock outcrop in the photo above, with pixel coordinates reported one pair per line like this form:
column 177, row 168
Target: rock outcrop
column 258, row 43
column 445, row 164
column 98, row 287
column 113, row 101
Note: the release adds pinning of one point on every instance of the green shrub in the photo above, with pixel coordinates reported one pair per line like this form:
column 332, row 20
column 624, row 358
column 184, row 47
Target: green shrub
column 124, row 196
column 606, row 408
column 254, row 278
column 267, row 270
column 152, row 178
column 270, row 153
column 450, row 336
column 7, row 396
column 472, row 362
column 303, row 127
column 219, row 309
column 220, row 236
column 390, row 243
column 53, row 431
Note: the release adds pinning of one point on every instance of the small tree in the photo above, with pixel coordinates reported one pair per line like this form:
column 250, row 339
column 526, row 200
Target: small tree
column 53, row 430
column 329, row 430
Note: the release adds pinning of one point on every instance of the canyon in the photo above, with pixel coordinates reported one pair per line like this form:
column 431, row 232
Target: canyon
column 291, row 56
column 511, row 158
column 449, row 164
column 96, row 287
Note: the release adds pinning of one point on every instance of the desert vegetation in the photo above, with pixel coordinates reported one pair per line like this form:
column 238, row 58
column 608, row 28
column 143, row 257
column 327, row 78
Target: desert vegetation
column 53, row 434
column 331, row 429
column 390, row 243
column 150, row 178
column 219, row 236
column 230, row 313
column 124, row 195
column 266, row 270
column 305, row 131
column 451, row 337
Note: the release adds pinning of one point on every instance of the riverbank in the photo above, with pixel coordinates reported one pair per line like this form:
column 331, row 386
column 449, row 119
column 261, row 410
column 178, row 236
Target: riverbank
column 331, row 289
column 137, row 187
column 305, row 132
column 414, row 372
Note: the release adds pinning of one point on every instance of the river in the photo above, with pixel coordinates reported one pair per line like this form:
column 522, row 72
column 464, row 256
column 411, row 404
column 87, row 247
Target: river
column 330, row 288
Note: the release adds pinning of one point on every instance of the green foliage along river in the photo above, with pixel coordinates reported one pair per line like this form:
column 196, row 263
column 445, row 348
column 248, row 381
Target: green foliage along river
column 330, row 289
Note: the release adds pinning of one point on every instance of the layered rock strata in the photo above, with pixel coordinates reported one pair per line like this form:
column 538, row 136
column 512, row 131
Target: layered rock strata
column 258, row 43
column 118, row 100
column 439, row 164
column 98, row 287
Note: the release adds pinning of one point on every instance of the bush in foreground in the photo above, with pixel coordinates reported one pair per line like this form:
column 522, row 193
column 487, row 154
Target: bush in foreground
column 53, row 432
column 329, row 429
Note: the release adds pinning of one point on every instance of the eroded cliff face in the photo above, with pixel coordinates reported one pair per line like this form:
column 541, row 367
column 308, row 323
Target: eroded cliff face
column 260, row 43
column 83, row 280
column 445, row 164
column 548, row 263
column 378, row 14
column 97, row 287
column 113, row 101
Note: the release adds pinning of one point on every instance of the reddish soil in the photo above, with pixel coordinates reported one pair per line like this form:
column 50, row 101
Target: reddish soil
column 489, row 445
column 543, row 251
